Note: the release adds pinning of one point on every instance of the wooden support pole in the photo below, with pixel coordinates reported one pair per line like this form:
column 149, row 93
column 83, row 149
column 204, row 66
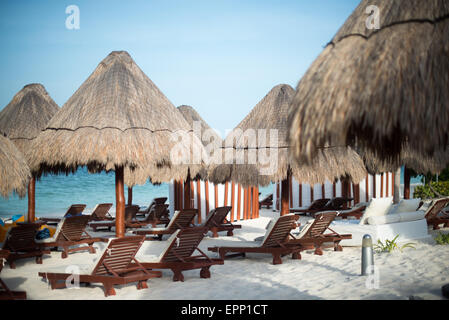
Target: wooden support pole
column 216, row 195
column 406, row 183
column 198, row 199
column 285, row 204
column 120, row 202
column 206, row 187
column 187, row 193
column 278, row 196
column 334, row 189
column 387, row 181
column 232, row 200
column 239, row 202
column 323, row 191
column 311, row 193
column 356, row 193
column 300, row 194
column 225, row 202
column 130, row 196
column 382, row 185
column 367, row 188
column 32, row 200
column 374, row 185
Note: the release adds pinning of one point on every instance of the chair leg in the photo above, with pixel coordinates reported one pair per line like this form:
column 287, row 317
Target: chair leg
column 177, row 275
column 142, row 285
column 108, row 289
column 205, row 272
column 296, row 255
column 12, row 264
column 64, row 253
column 277, row 258
column 214, row 232
column 39, row 259
column 337, row 246
column 91, row 248
column 230, row 233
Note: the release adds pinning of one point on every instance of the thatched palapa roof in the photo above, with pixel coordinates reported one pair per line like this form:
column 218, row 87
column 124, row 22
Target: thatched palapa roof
column 205, row 133
column 14, row 171
column 379, row 89
column 118, row 117
column 26, row 115
column 271, row 114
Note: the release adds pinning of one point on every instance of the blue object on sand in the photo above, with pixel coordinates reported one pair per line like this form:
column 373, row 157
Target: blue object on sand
column 16, row 217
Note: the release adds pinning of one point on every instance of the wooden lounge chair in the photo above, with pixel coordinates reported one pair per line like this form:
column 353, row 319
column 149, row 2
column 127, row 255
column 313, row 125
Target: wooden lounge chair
column 5, row 292
column 114, row 267
column 267, row 201
column 20, row 242
column 130, row 214
column 101, row 212
column 181, row 219
column 73, row 210
column 435, row 215
column 356, row 212
column 177, row 254
column 71, row 232
column 143, row 211
column 314, row 207
column 158, row 215
column 274, row 242
column 337, row 203
column 216, row 221
column 312, row 234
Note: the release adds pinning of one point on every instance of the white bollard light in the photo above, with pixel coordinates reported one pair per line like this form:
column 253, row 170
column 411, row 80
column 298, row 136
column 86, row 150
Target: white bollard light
column 367, row 255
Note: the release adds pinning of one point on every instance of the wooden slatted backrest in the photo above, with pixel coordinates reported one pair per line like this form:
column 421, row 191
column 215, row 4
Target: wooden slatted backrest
column 21, row 237
column 130, row 212
column 280, row 231
column 161, row 200
column 321, row 223
column 218, row 217
column 118, row 255
column 157, row 212
column 101, row 211
column 182, row 220
column 72, row 228
column 318, row 204
column 335, row 203
column 184, row 244
column 75, row 209
column 436, row 207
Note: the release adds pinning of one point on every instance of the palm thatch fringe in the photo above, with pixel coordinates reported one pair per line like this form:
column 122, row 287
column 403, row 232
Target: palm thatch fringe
column 26, row 115
column 378, row 90
column 14, row 171
column 118, row 117
column 260, row 153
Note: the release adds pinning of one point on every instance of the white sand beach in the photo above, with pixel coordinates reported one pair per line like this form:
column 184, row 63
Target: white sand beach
column 416, row 272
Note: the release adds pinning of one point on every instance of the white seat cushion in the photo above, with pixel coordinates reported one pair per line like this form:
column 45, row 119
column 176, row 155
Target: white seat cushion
column 377, row 207
column 389, row 218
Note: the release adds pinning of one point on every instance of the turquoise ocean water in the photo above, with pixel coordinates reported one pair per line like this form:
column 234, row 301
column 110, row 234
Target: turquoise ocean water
column 55, row 193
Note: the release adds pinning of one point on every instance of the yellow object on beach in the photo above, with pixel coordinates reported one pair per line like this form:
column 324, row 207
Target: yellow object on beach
column 4, row 228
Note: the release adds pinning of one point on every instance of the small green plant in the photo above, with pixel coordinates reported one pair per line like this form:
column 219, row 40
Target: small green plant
column 391, row 245
column 442, row 238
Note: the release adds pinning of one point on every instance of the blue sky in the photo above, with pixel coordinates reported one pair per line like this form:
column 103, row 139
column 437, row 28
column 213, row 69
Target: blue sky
column 221, row 57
